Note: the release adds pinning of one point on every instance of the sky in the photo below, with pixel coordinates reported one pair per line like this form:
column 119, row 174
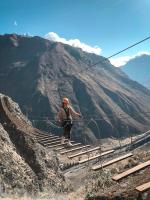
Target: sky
column 98, row 26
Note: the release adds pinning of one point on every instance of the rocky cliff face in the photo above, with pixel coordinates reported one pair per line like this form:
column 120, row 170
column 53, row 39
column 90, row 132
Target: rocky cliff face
column 25, row 165
column 37, row 73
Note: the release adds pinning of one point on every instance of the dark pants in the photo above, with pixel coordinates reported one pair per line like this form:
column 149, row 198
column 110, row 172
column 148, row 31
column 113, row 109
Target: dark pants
column 67, row 131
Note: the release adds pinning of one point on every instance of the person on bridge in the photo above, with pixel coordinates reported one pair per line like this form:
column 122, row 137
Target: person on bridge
column 64, row 117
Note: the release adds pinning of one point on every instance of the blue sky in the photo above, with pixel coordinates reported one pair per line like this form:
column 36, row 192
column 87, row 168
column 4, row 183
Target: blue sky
column 109, row 24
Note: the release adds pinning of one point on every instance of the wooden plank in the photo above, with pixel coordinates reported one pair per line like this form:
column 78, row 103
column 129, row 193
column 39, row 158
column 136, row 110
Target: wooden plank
column 112, row 161
column 41, row 134
column 60, row 148
column 46, row 140
column 49, row 139
column 38, row 134
column 53, row 146
column 75, row 149
column 143, row 187
column 51, row 143
column 97, row 156
column 57, row 145
column 44, row 136
column 84, row 152
column 47, row 145
column 131, row 171
column 48, row 136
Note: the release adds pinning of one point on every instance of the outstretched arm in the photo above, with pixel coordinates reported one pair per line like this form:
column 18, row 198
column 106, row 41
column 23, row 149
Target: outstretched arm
column 74, row 113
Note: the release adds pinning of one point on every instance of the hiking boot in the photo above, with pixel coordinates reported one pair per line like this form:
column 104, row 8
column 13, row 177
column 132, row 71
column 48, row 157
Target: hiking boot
column 69, row 143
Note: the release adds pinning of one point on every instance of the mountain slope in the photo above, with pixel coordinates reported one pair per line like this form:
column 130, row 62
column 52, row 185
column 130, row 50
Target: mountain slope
column 139, row 69
column 37, row 73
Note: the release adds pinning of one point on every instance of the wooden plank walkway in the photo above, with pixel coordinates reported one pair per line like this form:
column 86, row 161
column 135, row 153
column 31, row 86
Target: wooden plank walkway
column 63, row 147
column 84, row 152
column 132, row 170
column 94, row 157
column 75, row 149
column 96, row 167
column 143, row 187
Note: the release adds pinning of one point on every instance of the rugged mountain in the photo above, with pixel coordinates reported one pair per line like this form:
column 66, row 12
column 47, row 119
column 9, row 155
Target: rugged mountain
column 139, row 69
column 37, row 73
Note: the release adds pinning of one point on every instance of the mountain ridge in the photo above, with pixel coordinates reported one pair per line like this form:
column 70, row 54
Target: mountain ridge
column 138, row 69
column 39, row 73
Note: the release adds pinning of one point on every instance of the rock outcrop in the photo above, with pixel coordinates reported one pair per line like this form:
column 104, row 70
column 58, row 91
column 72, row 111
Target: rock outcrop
column 25, row 165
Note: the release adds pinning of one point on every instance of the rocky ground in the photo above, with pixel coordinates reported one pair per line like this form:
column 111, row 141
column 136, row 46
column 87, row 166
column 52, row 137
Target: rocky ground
column 30, row 171
column 25, row 165
column 89, row 185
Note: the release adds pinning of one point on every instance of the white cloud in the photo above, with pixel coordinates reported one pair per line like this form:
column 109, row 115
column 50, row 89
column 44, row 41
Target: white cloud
column 28, row 34
column 118, row 62
column 15, row 23
column 73, row 42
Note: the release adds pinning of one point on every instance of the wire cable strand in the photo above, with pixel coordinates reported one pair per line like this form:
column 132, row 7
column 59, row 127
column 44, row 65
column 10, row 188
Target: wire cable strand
column 120, row 116
column 102, row 60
